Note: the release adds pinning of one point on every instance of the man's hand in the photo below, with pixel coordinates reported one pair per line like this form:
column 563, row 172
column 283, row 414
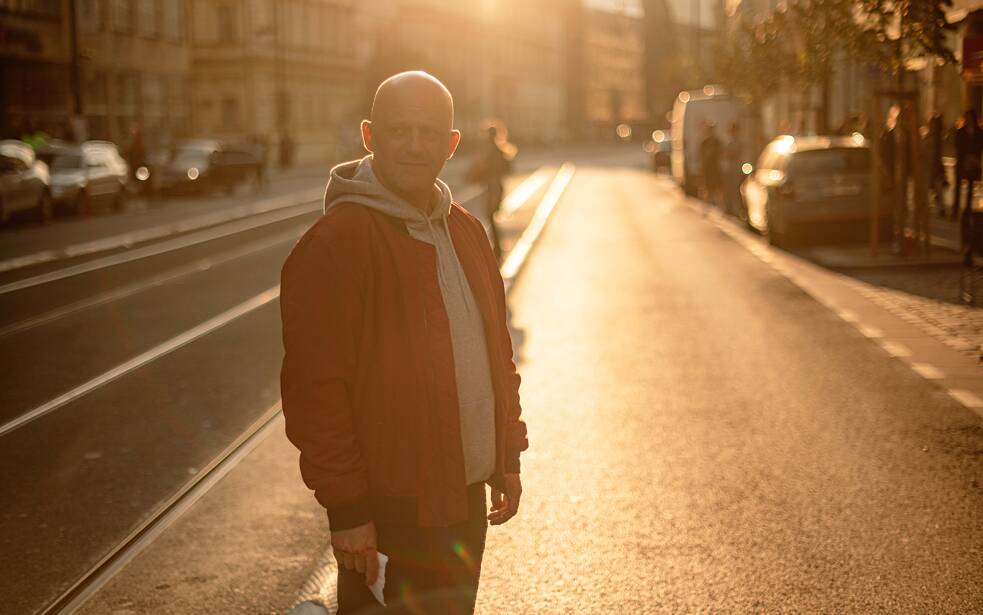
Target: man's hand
column 505, row 505
column 355, row 550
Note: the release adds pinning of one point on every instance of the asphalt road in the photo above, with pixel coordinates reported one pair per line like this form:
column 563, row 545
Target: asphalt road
column 705, row 436
column 110, row 440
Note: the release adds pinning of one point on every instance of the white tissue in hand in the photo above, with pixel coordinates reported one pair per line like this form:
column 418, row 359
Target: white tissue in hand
column 380, row 582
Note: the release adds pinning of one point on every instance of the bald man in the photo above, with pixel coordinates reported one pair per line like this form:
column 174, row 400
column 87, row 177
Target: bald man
column 398, row 383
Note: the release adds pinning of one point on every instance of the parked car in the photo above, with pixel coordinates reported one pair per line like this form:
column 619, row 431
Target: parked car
column 88, row 176
column 206, row 165
column 690, row 113
column 24, row 182
column 659, row 148
column 810, row 185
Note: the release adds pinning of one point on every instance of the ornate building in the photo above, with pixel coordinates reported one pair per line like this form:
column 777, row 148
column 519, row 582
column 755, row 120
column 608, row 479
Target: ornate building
column 614, row 66
column 274, row 68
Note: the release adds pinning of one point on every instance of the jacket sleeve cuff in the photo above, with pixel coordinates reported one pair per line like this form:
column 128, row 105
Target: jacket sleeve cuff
column 512, row 465
column 351, row 515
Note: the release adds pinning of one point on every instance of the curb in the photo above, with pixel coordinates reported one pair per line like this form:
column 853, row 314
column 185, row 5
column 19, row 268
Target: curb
column 128, row 240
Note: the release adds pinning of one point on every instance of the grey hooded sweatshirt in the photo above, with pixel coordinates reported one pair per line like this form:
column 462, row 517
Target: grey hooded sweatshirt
column 355, row 182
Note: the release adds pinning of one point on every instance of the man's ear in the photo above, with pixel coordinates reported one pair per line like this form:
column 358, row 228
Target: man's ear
column 452, row 144
column 367, row 136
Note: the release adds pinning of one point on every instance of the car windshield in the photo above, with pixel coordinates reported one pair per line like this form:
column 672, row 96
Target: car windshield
column 830, row 161
column 187, row 158
column 66, row 162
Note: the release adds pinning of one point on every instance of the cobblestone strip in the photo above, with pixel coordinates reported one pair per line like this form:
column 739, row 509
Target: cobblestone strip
column 958, row 326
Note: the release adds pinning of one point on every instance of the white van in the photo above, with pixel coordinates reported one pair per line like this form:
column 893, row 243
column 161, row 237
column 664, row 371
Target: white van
column 690, row 113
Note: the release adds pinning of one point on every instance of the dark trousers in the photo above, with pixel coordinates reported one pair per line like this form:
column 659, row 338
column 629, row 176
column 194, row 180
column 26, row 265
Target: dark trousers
column 430, row 570
column 494, row 193
column 957, row 206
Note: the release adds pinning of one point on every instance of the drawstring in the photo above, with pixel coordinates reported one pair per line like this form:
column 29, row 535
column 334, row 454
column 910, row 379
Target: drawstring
column 440, row 270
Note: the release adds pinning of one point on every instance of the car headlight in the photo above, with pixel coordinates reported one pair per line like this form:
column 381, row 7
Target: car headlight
column 193, row 173
column 142, row 174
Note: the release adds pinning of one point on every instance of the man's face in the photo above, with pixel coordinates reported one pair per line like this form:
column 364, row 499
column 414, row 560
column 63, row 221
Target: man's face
column 410, row 140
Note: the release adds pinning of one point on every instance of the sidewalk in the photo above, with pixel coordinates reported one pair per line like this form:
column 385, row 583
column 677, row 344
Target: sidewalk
column 923, row 290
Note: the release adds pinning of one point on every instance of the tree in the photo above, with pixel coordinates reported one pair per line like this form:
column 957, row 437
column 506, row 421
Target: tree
column 803, row 41
column 754, row 58
column 822, row 32
column 906, row 29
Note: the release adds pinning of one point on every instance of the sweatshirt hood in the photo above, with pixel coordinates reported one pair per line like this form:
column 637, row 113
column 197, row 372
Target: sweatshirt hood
column 356, row 182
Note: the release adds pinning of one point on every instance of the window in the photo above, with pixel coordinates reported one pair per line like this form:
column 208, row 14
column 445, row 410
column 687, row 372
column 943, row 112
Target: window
column 50, row 9
column 152, row 95
column 148, row 21
column 121, row 14
column 172, row 20
column 230, row 114
column 830, row 161
column 227, row 27
column 89, row 15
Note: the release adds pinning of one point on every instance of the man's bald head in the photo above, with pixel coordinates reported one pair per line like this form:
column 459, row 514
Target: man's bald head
column 413, row 89
column 411, row 134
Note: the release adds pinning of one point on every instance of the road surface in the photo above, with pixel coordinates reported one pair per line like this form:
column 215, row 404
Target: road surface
column 705, row 435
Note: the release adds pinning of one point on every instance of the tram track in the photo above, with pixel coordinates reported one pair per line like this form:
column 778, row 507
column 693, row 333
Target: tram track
column 192, row 490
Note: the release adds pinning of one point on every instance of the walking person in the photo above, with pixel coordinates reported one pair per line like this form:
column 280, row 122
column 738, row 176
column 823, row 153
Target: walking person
column 711, row 154
column 733, row 171
column 935, row 168
column 398, row 383
column 261, row 153
column 492, row 164
column 287, row 148
column 969, row 146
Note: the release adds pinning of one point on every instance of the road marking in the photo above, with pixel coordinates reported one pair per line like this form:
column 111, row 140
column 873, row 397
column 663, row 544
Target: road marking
column 517, row 256
column 525, row 191
column 847, row 315
column 966, row 398
column 869, row 331
column 170, row 245
column 126, row 240
column 158, row 280
column 929, row 372
column 893, row 348
column 143, row 358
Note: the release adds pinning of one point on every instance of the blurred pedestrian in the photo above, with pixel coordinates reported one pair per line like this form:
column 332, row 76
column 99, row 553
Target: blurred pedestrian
column 493, row 162
column 398, row 383
column 733, row 170
column 896, row 159
column 969, row 147
column 711, row 158
column 287, row 148
column 136, row 152
column 934, row 166
column 261, row 153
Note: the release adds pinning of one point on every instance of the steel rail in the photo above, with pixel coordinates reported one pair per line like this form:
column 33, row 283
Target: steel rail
column 193, row 490
column 189, row 493
column 168, row 245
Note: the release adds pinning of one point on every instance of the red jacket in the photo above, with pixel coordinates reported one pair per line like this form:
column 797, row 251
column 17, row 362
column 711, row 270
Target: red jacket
column 368, row 385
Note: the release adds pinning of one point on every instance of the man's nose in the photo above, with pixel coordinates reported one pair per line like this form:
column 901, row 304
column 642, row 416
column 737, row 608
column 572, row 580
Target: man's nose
column 416, row 140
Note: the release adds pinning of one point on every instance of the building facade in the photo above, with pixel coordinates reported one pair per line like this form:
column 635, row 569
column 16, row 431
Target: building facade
column 35, row 64
column 503, row 60
column 134, row 65
column 274, row 70
column 114, row 67
column 614, row 66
